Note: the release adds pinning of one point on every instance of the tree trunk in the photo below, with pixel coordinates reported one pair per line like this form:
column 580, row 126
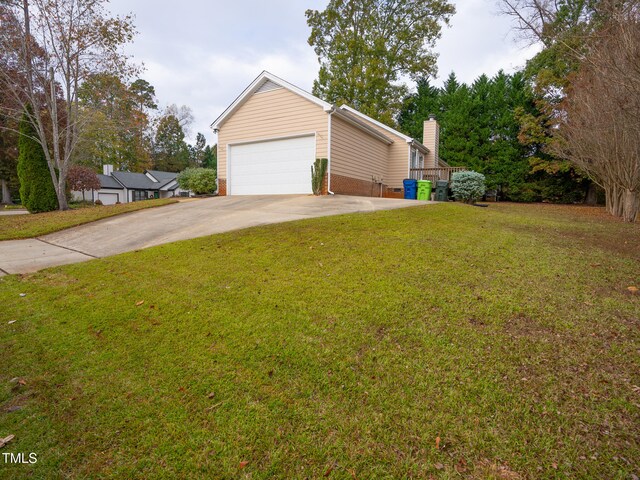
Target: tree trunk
column 591, row 196
column 614, row 200
column 630, row 205
column 61, row 193
column 6, row 194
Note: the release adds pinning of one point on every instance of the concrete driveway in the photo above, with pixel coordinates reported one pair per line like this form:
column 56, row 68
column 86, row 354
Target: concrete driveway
column 180, row 221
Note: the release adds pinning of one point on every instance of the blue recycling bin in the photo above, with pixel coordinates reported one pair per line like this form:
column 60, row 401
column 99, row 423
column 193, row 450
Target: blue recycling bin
column 410, row 189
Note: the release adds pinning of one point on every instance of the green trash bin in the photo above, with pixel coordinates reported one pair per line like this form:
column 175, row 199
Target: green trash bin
column 442, row 191
column 424, row 190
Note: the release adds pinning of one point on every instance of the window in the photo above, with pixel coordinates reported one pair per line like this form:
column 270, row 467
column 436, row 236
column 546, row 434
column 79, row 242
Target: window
column 414, row 158
column 137, row 195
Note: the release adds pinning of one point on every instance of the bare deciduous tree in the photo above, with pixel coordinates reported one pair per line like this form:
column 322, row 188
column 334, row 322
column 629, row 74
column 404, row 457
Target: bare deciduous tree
column 600, row 131
column 592, row 70
column 48, row 48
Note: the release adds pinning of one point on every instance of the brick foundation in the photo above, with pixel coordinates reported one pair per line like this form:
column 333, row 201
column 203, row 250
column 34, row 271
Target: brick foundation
column 341, row 185
column 391, row 193
column 353, row 186
column 222, row 187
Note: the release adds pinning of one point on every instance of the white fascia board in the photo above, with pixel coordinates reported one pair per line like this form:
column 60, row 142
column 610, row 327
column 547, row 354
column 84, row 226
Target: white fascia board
column 419, row 146
column 151, row 177
column 250, row 90
column 379, row 124
column 168, row 185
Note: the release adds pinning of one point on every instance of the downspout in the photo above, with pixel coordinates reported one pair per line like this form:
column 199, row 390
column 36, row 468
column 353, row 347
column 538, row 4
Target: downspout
column 333, row 109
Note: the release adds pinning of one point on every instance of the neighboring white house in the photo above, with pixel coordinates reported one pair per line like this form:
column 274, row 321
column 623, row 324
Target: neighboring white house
column 125, row 187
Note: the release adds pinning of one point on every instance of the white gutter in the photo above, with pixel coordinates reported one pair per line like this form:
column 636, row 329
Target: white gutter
column 331, row 111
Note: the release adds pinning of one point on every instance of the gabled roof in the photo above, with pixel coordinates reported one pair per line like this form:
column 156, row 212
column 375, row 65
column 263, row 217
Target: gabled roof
column 136, row 181
column 406, row 138
column 170, row 185
column 107, row 181
column 260, row 80
column 162, row 176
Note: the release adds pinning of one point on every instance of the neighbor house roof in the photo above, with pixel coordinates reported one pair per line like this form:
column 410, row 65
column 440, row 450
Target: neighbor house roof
column 136, row 181
column 170, row 185
column 107, row 181
column 162, row 177
column 260, row 80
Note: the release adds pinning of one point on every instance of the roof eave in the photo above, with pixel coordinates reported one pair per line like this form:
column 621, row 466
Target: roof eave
column 375, row 122
column 364, row 127
column 418, row 145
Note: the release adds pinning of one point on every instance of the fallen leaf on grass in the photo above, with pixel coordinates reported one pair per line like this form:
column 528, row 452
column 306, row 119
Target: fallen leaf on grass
column 438, row 442
column 5, row 440
column 11, row 321
column 212, row 407
column 22, row 382
column 554, row 465
column 139, row 303
column 328, row 471
column 439, row 466
column 633, row 289
column 243, row 464
column 211, row 395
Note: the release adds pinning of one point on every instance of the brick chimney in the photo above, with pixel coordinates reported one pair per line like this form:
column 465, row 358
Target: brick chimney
column 107, row 170
column 431, row 140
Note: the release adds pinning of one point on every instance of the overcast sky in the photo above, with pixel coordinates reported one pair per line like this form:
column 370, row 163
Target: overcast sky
column 203, row 53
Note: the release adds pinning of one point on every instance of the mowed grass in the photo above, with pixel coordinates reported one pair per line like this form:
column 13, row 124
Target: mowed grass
column 443, row 341
column 14, row 227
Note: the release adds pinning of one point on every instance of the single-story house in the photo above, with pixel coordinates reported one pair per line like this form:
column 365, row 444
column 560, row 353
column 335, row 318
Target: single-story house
column 124, row 187
column 269, row 137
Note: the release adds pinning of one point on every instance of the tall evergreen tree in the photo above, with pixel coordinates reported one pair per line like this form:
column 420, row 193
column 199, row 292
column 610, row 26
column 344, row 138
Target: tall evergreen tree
column 36, row 186
column 417, row 107
column 197, row 151
column 210, row 157
column 481, row 130
column 171, row 152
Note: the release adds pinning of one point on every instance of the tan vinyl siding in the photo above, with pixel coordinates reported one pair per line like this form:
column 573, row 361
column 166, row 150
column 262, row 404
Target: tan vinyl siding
column 398, row 159
column 431, row 136
column 274, row 113
column 355, row 153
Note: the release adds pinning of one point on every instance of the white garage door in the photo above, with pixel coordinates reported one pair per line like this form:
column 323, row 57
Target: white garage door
column 108, row 198
column 272, row 167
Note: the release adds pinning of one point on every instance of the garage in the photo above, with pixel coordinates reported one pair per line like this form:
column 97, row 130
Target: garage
column 108, row 198
column 273, row 167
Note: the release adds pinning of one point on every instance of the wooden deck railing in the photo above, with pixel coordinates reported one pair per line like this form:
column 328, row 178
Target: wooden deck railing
column 434, row 174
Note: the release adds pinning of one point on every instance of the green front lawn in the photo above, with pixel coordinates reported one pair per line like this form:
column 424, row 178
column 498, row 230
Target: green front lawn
column 27, row 226
column 443, row 341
